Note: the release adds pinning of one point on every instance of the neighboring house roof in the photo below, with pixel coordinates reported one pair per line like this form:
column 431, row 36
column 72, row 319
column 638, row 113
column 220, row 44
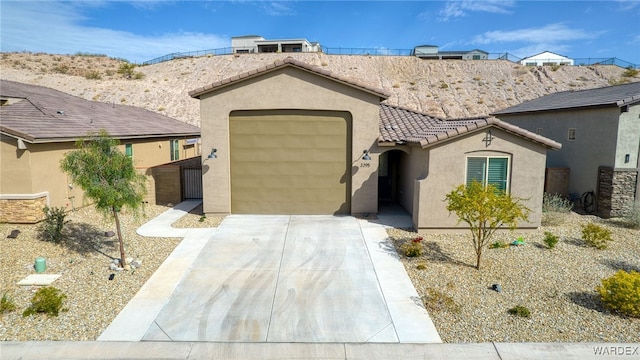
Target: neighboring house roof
column 48, row 115
column 282, row 64
column 618, row 95
column 400, row 125
column 545, row 52
column 462, row 52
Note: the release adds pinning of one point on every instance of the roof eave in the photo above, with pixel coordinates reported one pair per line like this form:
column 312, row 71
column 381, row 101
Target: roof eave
column 581, row 107
column 197, row 93
column 48, row 140
column 512, row 129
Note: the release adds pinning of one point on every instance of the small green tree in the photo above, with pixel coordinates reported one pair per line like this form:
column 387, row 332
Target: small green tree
column 485, row 209
column 107, row 176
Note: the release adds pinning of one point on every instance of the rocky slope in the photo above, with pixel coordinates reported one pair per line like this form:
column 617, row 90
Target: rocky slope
column 447, row 89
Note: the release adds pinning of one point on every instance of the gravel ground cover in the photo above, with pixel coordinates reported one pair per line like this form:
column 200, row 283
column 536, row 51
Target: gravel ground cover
column 83, row 258
column 556, row 285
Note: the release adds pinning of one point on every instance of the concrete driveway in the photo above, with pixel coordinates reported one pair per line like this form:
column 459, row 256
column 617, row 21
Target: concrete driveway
column 285, row 279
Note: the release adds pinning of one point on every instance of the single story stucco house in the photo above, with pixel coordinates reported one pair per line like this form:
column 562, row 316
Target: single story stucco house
column 600, row 130
column 291, row 138
column 39, row 125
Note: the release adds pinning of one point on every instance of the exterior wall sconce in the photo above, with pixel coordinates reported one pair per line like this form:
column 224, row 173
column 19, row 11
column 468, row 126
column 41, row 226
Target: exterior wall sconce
column 212, row 155
column 366, row 155
column 487, row 138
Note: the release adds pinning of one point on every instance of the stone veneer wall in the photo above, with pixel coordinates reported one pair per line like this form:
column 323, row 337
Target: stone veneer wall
column 616, row 191
column 22, row 211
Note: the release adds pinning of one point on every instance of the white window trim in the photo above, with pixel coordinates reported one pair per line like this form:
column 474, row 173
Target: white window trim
column 486, row 177
column 173, row 148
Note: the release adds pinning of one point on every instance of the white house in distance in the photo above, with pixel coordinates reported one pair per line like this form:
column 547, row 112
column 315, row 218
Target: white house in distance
column 546, row 58
column 258, row 44
column 433, row 52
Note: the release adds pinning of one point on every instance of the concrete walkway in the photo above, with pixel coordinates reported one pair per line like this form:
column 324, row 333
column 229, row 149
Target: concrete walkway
column 276, row 279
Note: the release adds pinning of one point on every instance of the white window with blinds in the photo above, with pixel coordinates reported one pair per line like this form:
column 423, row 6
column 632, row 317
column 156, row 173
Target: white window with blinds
column 492, row 170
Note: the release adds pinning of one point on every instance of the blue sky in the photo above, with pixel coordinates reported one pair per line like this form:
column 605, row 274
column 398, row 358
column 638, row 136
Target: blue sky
column 142, row 30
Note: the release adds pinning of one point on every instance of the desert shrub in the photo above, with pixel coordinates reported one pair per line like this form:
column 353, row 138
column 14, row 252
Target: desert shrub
column 88, row 54
column 633, row 217
column 621, row 292
column 47, row 300
column 53, row 225
column 485, row 209
column 444, row 86
column 436, row 300
column 93, row 75
column 521, row 311
column 498, row 245
column 413, row 248
column 138, row 76
column 550, row 239
column 630, row 72
column 555, row 203
column 6, row 304
column 596, row 236
column 61, row 69
column 555, row 209
column 421, row 266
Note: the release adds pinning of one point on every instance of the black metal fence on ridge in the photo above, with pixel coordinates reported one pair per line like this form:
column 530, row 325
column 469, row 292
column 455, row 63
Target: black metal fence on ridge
column 385, row 52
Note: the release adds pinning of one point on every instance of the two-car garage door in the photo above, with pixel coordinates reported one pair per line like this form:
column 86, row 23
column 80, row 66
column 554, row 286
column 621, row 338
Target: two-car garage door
column 290, row 162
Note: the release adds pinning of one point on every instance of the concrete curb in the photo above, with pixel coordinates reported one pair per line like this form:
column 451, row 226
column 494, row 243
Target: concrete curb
column 350, row 351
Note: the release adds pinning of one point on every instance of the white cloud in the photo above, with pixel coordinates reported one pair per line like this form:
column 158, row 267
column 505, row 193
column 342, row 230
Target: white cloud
column 627, row 5
column 277, row 8
column 54, row 27
column 454, row 9
column 550, row 34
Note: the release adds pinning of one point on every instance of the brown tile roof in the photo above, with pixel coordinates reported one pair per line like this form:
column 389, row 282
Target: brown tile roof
column 284, row 63
column 47, row 115
column 400, row 125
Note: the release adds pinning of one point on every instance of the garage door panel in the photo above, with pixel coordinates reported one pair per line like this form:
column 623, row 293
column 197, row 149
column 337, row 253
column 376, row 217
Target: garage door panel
column 255, row 184
column 281, row 126
column 290, row 162
column 261, row 154
column 259, row 169
column 300, row 142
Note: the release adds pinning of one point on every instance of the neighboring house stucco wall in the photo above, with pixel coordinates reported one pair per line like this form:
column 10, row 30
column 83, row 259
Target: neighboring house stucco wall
column 447, row 169
column 628, row 138
column 30, row 173
column 595, row 141
column 288, row 88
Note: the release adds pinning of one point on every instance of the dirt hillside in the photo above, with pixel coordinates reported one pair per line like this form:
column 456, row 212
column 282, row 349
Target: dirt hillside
column 447, row 89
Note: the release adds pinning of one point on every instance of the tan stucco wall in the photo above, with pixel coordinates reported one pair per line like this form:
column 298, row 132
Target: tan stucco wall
column 147, row 153
column 287, row 88
column 446, row 170
column 595, row 145
column 15, row 172
column 37, row 170
column 628, row 138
